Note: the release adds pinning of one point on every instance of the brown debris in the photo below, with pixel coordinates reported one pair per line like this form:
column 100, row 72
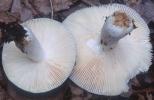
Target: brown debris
column 21, row 44
column 121, row 19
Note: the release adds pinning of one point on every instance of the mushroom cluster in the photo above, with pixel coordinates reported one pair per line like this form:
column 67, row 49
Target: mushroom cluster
column 40, row 54
column 112, row 47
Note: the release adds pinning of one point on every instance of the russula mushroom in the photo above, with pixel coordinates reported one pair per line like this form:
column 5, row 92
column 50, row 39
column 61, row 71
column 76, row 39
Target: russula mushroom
column 40, row 58
column 112, row 47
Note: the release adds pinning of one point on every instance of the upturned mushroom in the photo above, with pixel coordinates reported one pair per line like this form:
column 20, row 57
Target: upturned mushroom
column 40, row 54
column 112, row 47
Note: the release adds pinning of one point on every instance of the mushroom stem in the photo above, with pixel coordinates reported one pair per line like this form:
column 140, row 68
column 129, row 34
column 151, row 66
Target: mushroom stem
column 31, row 46
column 115, row 28
column 23, row 38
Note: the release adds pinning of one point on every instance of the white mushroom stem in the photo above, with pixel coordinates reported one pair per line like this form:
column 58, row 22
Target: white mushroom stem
column 115, row 28
column 31, row 46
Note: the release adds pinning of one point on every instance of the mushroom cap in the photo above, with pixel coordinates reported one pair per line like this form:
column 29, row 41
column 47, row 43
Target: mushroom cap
column 107, row 72
column 39, row 77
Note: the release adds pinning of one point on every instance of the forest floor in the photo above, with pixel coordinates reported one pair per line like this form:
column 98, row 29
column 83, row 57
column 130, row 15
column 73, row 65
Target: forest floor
column 141, row 87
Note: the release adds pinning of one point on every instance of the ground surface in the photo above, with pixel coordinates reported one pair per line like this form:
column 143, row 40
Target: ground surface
column 141, row 87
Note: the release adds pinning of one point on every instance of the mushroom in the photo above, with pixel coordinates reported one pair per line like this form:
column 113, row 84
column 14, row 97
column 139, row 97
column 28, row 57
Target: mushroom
column 112, row 47
column 40, row 54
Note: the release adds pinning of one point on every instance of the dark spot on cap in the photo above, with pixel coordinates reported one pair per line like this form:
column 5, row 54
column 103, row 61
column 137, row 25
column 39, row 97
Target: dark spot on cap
column 102, row 42
column 134, row 26
column 105, row 43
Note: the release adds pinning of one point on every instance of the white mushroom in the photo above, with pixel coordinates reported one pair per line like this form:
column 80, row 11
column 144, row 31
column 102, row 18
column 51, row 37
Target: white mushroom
column 43, row 59
column 110, row 50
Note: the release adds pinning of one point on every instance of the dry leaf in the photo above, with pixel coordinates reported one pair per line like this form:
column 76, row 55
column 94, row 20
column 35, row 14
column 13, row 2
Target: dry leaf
column 91, row 2
column 76, row 90
column 77, row 98
column 88, row 97
column 8, row 17
column 140, row 97
column 135, row 83
column 144, row 8
column 5, row 5
column 61, row 4
column 149, row 96
column 17, row 95
column 4, row 95
column 24, row 12
column 42, row 6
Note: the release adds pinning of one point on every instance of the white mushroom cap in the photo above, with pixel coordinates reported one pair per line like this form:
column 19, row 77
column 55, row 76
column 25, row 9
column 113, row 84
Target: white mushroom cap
column 107, row 72
column 53, row 70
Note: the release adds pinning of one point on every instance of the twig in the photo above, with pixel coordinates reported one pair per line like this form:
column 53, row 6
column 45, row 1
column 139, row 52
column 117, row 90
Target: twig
column 30, row 6
column 51, row 7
